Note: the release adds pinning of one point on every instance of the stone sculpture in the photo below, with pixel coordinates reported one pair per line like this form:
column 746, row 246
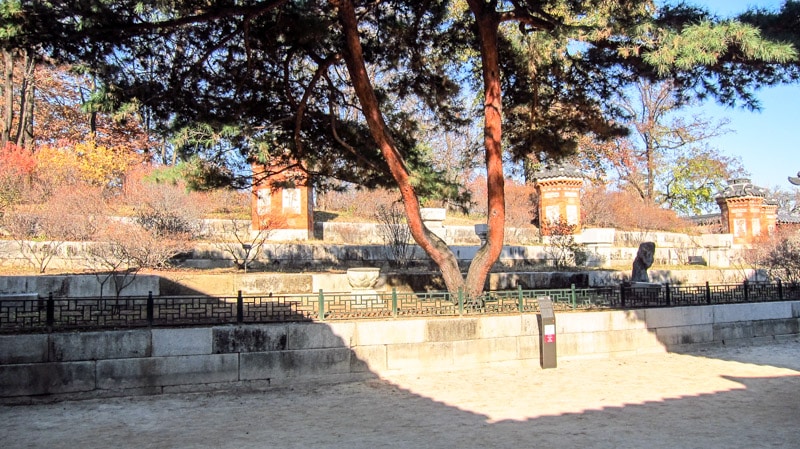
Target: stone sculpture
column 643, row 261
column 363, row 278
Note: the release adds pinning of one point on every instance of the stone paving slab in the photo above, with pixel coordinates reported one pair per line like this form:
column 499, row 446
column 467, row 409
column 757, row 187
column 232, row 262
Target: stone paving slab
column 726, row 397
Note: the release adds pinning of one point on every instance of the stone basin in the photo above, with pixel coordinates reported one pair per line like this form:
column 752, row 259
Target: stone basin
column 363, row 277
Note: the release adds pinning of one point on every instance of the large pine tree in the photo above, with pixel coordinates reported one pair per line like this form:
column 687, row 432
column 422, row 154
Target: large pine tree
column 330, row 82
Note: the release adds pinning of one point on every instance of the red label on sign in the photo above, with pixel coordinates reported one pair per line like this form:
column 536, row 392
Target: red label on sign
column 551, row 338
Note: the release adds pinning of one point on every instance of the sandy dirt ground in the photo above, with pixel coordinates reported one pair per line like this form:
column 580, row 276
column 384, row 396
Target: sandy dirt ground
column 728, row 397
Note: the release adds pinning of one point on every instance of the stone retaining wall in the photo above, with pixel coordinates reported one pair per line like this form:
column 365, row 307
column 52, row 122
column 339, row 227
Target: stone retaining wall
column 353, row 244
column 229, row 284
column 78, row 285
column 154, row 361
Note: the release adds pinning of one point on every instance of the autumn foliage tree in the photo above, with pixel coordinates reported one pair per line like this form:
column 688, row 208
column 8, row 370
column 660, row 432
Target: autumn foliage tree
column 52, row 177
column 626, row 210
column 66, row 107
column 16, row 168
column 18, row 87
column 664, row 158
column 84, row 163
column 63, row 121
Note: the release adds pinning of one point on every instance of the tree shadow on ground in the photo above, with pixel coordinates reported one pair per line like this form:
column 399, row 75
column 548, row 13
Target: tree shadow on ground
column 752, row 412
column 720, row 397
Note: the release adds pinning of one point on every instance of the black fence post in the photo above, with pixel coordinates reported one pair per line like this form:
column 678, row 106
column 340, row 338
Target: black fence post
column 150, row 308
column 780, row 290
column 239, row 308
column 50, row 313
column 622, row 295
column 708, row 293
column 668, row 294
column 746, row 291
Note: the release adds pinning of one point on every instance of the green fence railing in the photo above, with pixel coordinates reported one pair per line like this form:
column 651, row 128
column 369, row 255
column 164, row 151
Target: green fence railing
column 23, row 314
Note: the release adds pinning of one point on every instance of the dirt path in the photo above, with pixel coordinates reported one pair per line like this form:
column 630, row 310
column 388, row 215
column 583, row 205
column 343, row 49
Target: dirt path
column 724, row 397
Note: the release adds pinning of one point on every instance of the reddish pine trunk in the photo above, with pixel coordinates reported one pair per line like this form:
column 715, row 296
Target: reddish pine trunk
column 487, row 22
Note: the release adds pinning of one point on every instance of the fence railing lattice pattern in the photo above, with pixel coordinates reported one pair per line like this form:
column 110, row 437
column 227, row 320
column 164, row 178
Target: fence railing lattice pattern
column 53, row 313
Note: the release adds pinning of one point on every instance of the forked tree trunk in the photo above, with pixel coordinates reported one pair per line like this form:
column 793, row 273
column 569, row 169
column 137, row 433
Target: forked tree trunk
column 435, row 247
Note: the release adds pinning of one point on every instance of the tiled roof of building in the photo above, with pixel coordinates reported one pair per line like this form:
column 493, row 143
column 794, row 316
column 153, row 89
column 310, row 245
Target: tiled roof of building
column 789, row 217
column 560, row 170
column 743, row 187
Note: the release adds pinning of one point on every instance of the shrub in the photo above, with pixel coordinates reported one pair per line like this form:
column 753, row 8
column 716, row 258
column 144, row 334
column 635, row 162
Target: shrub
column 138, row 247
column 227, row 202
column 82, row 208
column 108, row 262
column 16, row 166
column 360, row 203
column 40, row 230
column 783, row 260
column 779, row 255
column 242, row 244
column 395, row 233
column 562, row 249
column 479, row 195
column 165, row 209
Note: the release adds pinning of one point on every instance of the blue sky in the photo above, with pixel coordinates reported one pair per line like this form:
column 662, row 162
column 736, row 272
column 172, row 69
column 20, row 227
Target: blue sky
column 766, row 141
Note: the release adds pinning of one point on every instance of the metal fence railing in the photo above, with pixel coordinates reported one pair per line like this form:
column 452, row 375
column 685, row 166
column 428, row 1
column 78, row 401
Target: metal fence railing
column 20, row 314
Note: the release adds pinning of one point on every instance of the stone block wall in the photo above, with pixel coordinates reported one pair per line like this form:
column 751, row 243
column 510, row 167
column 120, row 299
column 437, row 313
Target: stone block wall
column 77, row 285
column 153, row 361
column 355, row 244
column 261, row 283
